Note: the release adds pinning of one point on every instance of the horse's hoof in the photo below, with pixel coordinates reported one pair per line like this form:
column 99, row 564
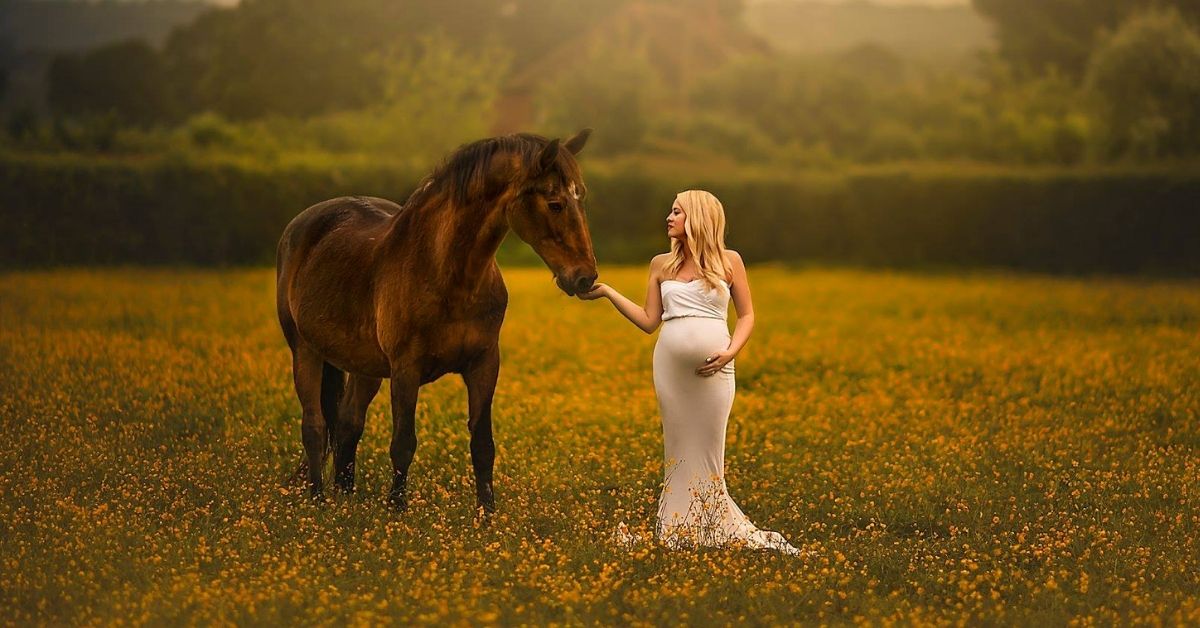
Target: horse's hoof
column 398, row 502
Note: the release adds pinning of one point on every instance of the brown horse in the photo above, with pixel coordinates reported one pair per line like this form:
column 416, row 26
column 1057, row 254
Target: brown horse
column 371, row 289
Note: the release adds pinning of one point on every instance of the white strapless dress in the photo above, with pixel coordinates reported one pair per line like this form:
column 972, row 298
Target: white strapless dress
column 695, row 508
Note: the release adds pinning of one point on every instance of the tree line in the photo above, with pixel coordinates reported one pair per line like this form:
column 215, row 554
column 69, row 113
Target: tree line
column 1070, row 82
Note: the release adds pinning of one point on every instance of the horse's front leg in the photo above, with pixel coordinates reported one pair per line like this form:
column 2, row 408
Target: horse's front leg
column 404, row 433
column 480, row 378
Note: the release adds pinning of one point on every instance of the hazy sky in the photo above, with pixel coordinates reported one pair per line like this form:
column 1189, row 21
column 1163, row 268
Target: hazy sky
column 935, row 2
column 940, row 2
column 925, row 2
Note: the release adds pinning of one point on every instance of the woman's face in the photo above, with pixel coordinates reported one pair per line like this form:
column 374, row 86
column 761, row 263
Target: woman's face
column 675, row 222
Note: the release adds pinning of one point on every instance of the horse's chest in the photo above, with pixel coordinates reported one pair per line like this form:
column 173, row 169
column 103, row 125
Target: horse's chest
column 441, row 334
column 453, row 346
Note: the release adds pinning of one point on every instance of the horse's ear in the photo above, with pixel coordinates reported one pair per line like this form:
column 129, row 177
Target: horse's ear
column 575, row 144
column 549, row 156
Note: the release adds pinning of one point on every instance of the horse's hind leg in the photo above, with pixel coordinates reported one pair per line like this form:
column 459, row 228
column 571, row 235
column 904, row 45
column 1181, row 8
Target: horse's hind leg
column 333, row 384
column 352, row 415
column 307, row 368
column 288, row 324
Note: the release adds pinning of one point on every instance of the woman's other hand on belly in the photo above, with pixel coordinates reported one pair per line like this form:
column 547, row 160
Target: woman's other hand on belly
column 714, row 363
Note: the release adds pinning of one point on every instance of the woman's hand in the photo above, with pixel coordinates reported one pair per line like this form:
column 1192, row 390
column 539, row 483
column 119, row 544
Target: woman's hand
column 598, row 290
column 715, row 362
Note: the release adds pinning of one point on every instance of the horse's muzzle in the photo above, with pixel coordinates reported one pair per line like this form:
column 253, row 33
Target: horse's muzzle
column 576, row 285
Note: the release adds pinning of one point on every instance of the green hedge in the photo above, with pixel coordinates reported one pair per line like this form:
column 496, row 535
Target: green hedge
column 73, row 210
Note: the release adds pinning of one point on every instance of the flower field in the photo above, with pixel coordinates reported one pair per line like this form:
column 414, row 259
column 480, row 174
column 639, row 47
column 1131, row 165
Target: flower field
column 950, row 447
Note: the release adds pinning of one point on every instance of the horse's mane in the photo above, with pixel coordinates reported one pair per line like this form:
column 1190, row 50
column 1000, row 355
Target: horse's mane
column 462, row 174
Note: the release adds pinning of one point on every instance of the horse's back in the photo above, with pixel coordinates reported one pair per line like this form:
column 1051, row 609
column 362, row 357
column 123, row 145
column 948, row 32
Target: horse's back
column 310, row 226
column 327, row 247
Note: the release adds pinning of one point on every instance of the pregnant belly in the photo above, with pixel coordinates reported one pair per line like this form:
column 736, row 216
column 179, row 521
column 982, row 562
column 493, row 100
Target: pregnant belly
column 691, row 339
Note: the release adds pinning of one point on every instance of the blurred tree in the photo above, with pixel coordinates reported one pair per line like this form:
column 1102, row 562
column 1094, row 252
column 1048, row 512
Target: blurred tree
column 874, row 63
column 22, row 125
column 283, row 56
column 617, row 93
column 803, row 101
column 432, row 96
column 1036, row 119
column 210, row 130
column 1037, row 34
column 89, row 132
column 307, row 57
column 714, row 133
column 867, row 106
column 530, row 29
column 1145, row 79
column 7, row 55
column 126, row 79
column 726, row 9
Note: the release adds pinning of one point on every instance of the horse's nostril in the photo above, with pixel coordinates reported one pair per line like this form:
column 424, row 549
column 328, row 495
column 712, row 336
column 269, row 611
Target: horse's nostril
column 583, row 284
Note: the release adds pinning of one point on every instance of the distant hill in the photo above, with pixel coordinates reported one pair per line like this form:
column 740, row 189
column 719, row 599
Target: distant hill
column 678, row 42
column 814, row 26
column 792, row 25
column 71, row 25
column 32, row 31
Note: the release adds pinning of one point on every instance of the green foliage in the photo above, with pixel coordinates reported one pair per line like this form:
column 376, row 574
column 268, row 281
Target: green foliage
column 272, row 56
column 126, row 79
column 1146, row 82
column 299, row 58
column 88, row 133
column 22, row 125
column 75, row 210
column 433, row 97
column 273, row 80
column 697, row 132
column 210, row 130
column 433, row 94
column 870, row 106
column 793, row 100
column 617, row 93
column 439, row 97
column 1040, row 34
column 74, row 25
column 1038, row 119
column 944, row 30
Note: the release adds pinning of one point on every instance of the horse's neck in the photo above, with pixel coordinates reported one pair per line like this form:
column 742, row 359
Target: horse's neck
column 456, row 245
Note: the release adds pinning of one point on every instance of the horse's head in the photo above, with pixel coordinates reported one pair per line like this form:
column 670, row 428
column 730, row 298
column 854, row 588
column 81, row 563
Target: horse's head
column 547, row 213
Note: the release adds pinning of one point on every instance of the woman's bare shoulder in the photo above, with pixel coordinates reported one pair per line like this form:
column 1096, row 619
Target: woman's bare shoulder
column 733, row 264
column 658, row 264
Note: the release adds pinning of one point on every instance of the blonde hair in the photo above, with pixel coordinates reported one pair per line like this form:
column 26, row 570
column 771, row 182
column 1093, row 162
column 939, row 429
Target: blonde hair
column 704, row 230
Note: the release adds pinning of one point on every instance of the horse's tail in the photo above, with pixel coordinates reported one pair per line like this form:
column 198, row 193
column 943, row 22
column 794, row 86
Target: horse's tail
column 333, row 386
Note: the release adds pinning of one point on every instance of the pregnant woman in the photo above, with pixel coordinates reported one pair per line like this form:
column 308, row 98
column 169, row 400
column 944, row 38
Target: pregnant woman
column 689, row 292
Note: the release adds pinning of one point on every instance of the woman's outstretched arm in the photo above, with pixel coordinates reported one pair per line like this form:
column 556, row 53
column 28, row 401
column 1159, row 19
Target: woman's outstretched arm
column 646, row 318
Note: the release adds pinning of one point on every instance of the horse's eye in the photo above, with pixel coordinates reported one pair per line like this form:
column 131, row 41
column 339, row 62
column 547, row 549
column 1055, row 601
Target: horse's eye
column 555, row 206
